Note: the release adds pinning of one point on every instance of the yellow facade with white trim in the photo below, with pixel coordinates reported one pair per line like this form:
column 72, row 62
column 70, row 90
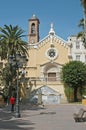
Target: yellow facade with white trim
column 46, row 58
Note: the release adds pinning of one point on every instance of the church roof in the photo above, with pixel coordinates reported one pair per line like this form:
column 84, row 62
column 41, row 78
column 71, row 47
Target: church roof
column 51, row 36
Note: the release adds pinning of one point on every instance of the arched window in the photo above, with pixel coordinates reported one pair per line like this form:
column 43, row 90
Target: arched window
column 51, row 72
column 33, row 28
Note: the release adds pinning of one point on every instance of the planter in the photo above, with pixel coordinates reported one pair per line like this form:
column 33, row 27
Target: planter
column 83, row 101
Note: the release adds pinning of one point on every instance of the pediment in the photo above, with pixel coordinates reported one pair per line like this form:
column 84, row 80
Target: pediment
column 50, row 40
column 51, row 48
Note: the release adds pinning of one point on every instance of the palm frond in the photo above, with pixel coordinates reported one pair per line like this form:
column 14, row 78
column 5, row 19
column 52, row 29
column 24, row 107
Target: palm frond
column 83, row 2
column 11, row 37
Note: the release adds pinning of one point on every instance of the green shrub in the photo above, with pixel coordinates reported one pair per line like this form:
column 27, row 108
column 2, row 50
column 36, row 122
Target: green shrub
column 69, row 94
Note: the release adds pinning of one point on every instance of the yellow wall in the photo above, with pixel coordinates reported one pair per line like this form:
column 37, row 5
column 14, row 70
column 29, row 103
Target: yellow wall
column 37, row 57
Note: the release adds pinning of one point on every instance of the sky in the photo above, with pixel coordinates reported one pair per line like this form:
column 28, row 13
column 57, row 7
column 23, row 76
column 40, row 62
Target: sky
column 64, row 14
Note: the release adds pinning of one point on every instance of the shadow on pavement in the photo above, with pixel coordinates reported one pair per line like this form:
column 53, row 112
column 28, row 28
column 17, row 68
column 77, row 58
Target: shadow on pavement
column 15, row 125
column 28, row 106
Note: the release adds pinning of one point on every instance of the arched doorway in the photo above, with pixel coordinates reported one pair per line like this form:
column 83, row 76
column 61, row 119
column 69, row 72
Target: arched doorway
column 51, row 71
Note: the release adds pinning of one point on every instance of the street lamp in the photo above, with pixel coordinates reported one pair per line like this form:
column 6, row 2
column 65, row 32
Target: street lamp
column 18, row 61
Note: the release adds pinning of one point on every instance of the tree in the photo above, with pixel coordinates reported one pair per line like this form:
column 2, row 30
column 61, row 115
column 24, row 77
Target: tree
column 8, row 76
column 74, row 76
column 82, row 24
column 11, row 42
column 81, row 34
column 83, row 2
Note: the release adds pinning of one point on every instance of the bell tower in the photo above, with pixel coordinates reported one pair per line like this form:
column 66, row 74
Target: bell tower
column 34, row 30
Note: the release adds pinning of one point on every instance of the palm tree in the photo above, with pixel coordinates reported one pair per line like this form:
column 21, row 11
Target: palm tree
column 82, row 24
column 83, row 2
column 82, row 34
column 11, row 42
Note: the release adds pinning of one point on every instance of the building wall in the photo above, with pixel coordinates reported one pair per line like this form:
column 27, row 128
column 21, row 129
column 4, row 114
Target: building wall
column 37, row 56
column 41, row 65
column 78, row 50
column 46, row 58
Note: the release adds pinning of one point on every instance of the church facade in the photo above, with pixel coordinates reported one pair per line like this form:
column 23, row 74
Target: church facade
column 46, row 58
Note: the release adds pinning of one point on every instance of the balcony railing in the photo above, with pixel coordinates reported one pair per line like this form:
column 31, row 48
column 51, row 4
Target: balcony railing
column 46, row 79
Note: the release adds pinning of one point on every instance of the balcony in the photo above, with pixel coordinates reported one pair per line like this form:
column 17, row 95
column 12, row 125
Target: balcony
column 44, row 80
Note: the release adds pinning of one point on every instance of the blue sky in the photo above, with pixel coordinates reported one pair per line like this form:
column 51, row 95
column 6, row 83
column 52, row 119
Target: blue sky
column 64, row 14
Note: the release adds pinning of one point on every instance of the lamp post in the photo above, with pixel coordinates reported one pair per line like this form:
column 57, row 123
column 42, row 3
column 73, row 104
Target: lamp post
column 18, row 61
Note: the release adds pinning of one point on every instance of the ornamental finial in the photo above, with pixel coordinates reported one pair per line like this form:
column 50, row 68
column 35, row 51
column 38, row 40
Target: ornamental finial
column 51, row 32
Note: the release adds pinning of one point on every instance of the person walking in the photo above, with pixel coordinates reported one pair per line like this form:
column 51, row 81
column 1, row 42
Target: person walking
column 12, row 102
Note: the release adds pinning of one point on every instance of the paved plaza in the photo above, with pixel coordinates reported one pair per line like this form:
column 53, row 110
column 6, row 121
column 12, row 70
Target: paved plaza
column 49, row 117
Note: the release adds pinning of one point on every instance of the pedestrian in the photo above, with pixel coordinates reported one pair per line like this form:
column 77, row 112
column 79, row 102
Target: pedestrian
column 12, row 102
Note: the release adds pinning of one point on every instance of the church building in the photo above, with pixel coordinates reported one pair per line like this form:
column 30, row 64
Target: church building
column 46, row 58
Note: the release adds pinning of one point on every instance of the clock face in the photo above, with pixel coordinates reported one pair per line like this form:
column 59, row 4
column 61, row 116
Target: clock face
column 51, row 53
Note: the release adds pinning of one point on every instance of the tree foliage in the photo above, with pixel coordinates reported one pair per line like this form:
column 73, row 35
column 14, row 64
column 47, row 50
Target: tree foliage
column 74, row 75
column 81, row 34
column 82, row 24
column 83, row 2
column 11, row 41
column 9, row 78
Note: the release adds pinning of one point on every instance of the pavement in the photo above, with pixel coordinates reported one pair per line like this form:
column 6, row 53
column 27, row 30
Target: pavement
column 49, row 117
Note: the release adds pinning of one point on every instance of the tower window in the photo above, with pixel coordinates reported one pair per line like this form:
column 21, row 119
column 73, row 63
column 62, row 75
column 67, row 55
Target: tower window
column 33, row 28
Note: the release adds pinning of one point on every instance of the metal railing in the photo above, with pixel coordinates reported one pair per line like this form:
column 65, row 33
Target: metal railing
column 46, row 79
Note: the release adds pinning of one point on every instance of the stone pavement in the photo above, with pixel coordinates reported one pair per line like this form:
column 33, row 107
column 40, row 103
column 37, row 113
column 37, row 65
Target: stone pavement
column 51, row 117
